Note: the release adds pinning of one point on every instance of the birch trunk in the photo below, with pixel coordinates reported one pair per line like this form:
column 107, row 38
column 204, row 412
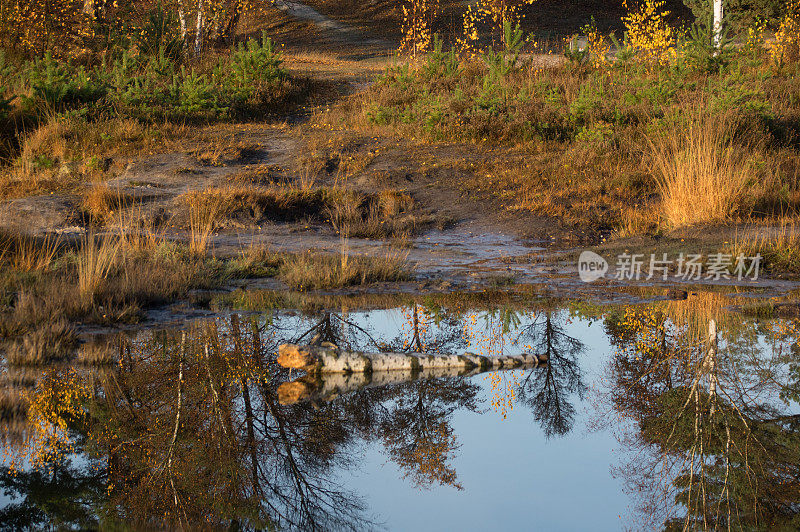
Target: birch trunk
column 182, row 20
column 198, row 35
column 321, row 359
column 718, row 14
column 712, row 365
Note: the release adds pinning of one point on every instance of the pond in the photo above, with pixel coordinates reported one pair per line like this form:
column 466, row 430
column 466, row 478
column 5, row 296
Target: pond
column 640, row 419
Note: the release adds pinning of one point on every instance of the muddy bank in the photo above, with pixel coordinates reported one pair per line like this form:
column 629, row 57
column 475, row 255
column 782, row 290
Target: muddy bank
column 467, row 241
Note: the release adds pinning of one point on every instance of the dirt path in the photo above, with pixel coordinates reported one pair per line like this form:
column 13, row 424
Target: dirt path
column 339, row 31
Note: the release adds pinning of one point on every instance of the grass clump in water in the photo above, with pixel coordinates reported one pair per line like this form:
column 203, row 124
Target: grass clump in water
column 312, row 272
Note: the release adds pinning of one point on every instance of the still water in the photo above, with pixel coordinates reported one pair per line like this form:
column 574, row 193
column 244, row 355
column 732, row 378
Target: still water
column 641, row 420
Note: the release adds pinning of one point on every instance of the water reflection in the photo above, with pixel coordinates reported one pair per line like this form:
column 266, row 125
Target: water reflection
column 712, row 445
column 187, row 428
column 548, row 393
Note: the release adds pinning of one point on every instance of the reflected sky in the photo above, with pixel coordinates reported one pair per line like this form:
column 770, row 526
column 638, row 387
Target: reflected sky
column 512, row 473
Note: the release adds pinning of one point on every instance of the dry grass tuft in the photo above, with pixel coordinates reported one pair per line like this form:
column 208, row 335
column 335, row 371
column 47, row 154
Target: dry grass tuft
column 49, row 300
column 27, row 253
column 101, row 353
column 95, row 262
column 102, row 204
column 255, row 261
column 49, row 342
column 312, row 272
column 392, row 203
column 203, row 216
column 137, row 232
column 273, row 203
column 381, row 215
column 62, row 152
column 47, row 140
column 308, row 170
column 385, row 215
column 637, row 221
column 779, row 247
column 702, row 176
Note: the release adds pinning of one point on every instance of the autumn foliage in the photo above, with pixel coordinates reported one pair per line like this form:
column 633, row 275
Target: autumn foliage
column 33, row 27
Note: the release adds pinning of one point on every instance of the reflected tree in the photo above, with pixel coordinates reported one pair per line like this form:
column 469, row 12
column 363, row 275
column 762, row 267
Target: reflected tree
column 417, row 429
column 189, row 434
column 548, row 391
column 61, row 496
column 707, row 449
column 186, row 431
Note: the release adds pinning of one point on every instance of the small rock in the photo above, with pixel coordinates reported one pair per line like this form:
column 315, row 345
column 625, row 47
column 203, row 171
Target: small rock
column 66, row 169
column 677, row 294
column 70, row 230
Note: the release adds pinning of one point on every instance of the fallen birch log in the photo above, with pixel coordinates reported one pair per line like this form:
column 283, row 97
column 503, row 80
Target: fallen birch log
column 331, row 359
column 326, row 387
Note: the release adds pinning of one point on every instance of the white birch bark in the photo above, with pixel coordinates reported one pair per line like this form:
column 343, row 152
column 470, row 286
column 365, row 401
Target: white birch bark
column 182, row 20
column 718, row 14
column 314, row 359
column 198, row 35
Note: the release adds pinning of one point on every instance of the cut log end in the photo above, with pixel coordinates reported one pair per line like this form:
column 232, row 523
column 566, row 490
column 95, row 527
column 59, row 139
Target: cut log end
column 291, row 356
column 293, row 392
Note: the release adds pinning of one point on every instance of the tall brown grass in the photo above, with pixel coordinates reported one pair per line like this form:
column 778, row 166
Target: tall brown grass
column 28, row 253
column 202, row 220
column 100, row 353
column 64, row 140
column 136, row 231
column 309, row 271
column 95, row 263
column 55, row 340
column 388, row 213
column 382, row 215
column 778, row 246
column 637, row 221
column 702, row 175
column 49, row 138
column 307, row 172
column 102, row 204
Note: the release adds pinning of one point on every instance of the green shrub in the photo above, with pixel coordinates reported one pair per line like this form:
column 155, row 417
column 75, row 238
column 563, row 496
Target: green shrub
column 440, row 65
column 502, row 64
column 194, row 95
column 590, row 99
column 249, row 77
column 597, row 133
column 739, row 93
column 7, row 71
column 739, row 14
column 5, row 104
column 61, row 85
column 699, row 50
column 402, row 77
